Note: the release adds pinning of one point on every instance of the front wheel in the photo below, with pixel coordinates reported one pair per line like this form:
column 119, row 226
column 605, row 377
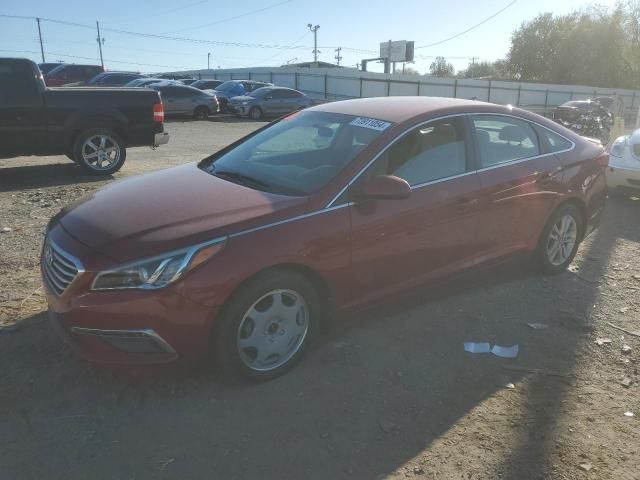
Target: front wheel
column 560, row 239
column 267, row 325
column 100, row 151
column 255, row 113
column 201, row 113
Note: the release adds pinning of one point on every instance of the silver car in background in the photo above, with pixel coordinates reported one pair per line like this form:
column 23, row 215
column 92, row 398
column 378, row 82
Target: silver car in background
column 269, row 101
column 184, row 100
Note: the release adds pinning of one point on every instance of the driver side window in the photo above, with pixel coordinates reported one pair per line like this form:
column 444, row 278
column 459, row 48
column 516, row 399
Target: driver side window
column 430, row 152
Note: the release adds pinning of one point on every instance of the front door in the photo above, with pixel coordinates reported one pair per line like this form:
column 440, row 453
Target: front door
column 519, row 183
column 400, row 243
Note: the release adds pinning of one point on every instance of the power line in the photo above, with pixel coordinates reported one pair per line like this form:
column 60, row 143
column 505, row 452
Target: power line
column 290, row 47
column 229, row 18
column 106, row 60
column 471, row 28
column 159, row 36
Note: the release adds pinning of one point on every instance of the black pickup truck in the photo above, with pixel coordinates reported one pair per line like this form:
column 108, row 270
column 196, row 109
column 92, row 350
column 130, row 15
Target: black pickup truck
column 93, row 127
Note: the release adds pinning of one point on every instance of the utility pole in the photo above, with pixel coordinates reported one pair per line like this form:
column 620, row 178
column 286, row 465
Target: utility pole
column 338, row 57
column 100, row 42
column 40, row 35
column 315, row 42
column 473, row 64
column 208, row 58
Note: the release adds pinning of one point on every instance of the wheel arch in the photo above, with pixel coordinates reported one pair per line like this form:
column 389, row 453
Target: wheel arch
column 319, row 283
column 576, row 202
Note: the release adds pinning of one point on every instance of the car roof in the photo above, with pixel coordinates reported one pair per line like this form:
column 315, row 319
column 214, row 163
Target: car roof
column 400, row 109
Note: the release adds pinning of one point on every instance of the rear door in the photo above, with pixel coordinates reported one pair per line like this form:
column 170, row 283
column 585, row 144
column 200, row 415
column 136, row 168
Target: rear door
column 520, row 183
column 400, row 243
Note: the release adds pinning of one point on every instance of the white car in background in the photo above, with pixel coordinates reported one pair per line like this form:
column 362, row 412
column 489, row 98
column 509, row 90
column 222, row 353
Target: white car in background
column 623, row 173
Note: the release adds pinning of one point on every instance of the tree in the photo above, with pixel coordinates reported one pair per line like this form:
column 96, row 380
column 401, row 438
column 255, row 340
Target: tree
column 410, row 71
column 590, row 47
column 479, row 70
column 441, row 68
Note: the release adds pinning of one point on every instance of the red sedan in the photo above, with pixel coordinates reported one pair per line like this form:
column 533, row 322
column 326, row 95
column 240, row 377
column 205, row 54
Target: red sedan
column 333, row 208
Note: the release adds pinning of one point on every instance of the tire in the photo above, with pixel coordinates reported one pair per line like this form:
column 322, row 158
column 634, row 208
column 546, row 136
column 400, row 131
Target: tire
column 255, row 113
column 201, row 113
column 96, row 157
column 559, row 241
column 265, row 347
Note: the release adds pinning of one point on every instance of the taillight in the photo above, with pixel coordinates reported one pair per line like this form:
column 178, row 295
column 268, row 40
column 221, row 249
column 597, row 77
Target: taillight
column 158, row 112
column 603, row 160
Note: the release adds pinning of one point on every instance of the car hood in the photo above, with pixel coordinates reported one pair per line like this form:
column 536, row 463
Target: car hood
column 174, row 208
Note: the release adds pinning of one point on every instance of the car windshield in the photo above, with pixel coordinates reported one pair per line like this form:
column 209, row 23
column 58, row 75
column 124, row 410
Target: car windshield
column 227, row 87
column 297, row 155
column 56, row 70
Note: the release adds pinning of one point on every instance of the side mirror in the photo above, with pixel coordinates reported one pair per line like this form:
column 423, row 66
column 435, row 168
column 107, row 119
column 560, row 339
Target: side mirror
column 385, row 187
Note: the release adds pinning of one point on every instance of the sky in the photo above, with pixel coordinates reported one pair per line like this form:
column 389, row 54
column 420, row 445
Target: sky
column 263, row 32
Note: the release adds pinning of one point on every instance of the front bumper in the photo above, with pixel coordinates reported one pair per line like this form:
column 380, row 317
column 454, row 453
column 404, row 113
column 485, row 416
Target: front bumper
column 160, row 139
column 127, row 326
column 623, row 177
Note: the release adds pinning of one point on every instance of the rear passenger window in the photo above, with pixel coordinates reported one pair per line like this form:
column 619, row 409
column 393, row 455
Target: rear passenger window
column 552, row 142
column 431, row 152
column 504, row 139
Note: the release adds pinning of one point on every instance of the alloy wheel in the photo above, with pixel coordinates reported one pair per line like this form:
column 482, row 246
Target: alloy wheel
column 100, row 152
column 562, row 240
column 272, row 330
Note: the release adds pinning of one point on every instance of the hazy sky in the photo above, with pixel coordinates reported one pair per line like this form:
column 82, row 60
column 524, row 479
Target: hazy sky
column 347, row 23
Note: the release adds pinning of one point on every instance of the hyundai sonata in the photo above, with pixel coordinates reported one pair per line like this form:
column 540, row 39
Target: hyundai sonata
column 330, row 208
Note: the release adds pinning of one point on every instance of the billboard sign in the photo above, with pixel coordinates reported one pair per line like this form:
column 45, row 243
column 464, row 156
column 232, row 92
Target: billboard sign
column 401, row 51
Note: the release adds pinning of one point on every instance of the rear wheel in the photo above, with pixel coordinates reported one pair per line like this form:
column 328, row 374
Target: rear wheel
column 255, row 113
column 267, row 325
column 201, row 113
column 560, row 239
column 99, row 151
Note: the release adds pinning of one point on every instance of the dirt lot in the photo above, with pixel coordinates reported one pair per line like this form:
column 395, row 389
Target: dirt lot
column 390, row 394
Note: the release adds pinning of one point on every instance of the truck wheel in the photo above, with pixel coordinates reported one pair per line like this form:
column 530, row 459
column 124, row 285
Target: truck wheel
column 100, row 151
column 201, row 113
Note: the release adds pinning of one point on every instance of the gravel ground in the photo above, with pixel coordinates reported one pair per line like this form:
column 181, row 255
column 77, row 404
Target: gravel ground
column 390, row 394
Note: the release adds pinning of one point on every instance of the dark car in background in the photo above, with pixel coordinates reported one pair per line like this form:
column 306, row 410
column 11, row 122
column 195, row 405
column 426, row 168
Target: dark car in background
column 71, row 73
column 109, row 79
column 185, row 100
column 236, row 88
column 187, row 81
column 269, row 101
column 48, row 66
column 207, row 84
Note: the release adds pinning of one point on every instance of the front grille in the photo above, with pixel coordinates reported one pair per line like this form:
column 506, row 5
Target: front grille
column 636, row 149
column 58, row 267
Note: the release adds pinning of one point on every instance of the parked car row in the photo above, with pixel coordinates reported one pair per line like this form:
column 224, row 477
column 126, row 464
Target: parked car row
column 188, row 96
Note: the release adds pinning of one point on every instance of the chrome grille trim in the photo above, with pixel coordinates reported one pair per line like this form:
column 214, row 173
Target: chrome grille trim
column 59, row 268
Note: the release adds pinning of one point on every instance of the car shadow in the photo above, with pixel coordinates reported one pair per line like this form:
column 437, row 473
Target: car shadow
column 49, row 175
column 375, row 392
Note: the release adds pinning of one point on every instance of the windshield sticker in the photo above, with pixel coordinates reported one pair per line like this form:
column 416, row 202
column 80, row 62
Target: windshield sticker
column 371, row 123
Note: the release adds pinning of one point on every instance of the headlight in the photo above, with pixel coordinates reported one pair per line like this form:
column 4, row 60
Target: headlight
column 246, row 102
column 617, row 149
column 157, row 272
